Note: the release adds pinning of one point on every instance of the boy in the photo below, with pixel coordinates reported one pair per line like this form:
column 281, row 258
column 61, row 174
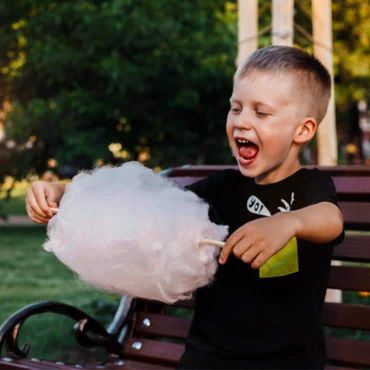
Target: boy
column 242, row 320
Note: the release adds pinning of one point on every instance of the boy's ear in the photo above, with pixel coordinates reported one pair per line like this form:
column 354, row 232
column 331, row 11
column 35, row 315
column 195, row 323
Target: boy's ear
column 305, row 131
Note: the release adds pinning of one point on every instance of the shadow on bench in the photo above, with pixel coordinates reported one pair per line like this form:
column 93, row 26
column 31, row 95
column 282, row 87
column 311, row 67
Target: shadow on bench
column 150, row 335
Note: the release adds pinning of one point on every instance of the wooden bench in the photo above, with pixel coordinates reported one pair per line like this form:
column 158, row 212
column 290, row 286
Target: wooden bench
column 150, row 335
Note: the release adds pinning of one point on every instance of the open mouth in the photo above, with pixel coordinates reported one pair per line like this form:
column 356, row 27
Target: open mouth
column 247, row 150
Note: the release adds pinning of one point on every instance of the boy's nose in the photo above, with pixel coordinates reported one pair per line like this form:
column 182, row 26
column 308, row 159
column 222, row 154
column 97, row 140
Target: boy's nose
column 243, row 121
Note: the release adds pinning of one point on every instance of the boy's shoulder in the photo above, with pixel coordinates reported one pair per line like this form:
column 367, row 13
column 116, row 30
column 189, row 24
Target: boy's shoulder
column 315, row 176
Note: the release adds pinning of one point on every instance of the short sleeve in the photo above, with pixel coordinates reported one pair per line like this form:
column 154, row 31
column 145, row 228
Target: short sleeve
column 320, row 188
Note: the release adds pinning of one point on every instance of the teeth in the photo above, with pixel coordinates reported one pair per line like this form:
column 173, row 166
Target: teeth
column 242, row 141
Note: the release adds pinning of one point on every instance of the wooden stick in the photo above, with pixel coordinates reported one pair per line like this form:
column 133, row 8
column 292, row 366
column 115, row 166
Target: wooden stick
column 215, row 243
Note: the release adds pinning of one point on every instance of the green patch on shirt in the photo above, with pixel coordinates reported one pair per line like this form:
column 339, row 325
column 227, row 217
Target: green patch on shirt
column 284, row 262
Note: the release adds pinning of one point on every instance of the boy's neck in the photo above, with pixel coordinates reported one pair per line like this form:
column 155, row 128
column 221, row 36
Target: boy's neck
column 271, row 178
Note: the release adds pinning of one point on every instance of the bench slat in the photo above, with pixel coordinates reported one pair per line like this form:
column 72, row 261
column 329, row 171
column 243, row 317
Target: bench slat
column 353, row 188
column 349, row 278
column 136, row 365
column 183, row 181
column 356, row 215
column 352, row 352
column 161, row 352
column 351, row 316
column 16, row 365
column 354, row 248
column 167, row 326
column 335, row 367
column 189, row 304
column 334, row 171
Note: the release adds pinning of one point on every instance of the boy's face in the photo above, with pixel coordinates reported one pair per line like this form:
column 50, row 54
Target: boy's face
column 262, row 124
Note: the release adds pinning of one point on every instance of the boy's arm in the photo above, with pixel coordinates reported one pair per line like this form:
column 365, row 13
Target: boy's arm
column 256, row 241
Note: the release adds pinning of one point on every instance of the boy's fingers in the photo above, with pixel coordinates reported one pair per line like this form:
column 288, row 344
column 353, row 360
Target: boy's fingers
column 229, row 245
column 242, row 247
column 40, row 220
column 35, row 218
column 52, row 204
column 40, row 197
column 33, row 205
column 259, row 260
column 250, row 254
column 52, row 197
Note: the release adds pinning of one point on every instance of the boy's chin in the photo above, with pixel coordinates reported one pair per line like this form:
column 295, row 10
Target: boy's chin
column 245, row 171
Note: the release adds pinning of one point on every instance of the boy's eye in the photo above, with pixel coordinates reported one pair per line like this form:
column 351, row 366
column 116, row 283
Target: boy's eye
column 262, row 114
column 235, row 109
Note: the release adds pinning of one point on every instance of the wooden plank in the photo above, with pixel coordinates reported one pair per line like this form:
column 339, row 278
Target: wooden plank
column 349, row 278
column 323, row 51
column 113, row 363
column 5, row 365
column 353, row 188
column 344, row 315
column 334, row 171
column 136, row 365
column 186, row 180
column 335, row 367
column 354, row 248
column 156, row 324
column 356, row 215
column 30, row 364
column 282, row 22
column 160, row 352
column 351, row 352
column 247, row 28
column 190, row 304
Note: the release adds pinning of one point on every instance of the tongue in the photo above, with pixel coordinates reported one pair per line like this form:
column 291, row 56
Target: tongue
column 248, row 151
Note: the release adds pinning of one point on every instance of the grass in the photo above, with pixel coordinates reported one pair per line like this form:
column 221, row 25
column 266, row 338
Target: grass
column 15, row 204
column 29, row 274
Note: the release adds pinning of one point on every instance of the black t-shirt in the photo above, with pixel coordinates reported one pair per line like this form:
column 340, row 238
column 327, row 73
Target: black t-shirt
column 242, row 320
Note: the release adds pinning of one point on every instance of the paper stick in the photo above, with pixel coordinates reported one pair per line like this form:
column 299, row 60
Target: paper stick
column 216, row 243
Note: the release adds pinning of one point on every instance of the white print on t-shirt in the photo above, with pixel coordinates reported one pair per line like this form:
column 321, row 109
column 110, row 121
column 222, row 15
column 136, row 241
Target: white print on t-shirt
column 256, row 206
column 286, row 204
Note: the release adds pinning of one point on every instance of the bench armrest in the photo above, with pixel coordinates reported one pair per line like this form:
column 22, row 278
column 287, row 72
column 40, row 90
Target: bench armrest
column 88, row 332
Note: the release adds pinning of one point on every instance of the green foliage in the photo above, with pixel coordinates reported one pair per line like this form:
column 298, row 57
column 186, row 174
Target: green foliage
column 154, row 76
column 29, row 274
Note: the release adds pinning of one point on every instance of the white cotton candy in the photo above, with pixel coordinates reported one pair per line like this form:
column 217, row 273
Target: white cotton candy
column 131, row 231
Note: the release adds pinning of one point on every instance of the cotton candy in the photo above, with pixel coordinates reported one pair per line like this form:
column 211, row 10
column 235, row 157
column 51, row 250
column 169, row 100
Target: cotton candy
column 128, row 230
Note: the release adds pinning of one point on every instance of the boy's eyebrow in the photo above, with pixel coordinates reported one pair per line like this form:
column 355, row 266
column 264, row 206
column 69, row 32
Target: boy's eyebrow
column 264, row 104
column 256, row 103
column 233, row 100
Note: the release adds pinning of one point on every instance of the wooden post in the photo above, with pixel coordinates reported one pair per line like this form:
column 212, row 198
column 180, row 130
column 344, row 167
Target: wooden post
column 282, row 22
column 323, row 46
column 327, row 135
column 247, row 28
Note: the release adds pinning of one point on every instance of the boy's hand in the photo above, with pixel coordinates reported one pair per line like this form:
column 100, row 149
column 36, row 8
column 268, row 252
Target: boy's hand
column 42, row 196
column 256, row 241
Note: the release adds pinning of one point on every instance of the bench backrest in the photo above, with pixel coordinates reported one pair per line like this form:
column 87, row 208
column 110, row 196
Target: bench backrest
column 158, row 331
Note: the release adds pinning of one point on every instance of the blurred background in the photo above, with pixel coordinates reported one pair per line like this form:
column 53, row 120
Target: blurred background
column 85, row 83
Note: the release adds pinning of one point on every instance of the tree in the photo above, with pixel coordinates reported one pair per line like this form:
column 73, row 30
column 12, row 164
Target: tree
column 112, row 80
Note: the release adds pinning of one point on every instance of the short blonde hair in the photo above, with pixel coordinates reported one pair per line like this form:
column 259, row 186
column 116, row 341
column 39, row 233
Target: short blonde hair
column 313, row 79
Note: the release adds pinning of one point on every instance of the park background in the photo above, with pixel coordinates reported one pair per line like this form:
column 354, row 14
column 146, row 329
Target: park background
column 86, row 83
